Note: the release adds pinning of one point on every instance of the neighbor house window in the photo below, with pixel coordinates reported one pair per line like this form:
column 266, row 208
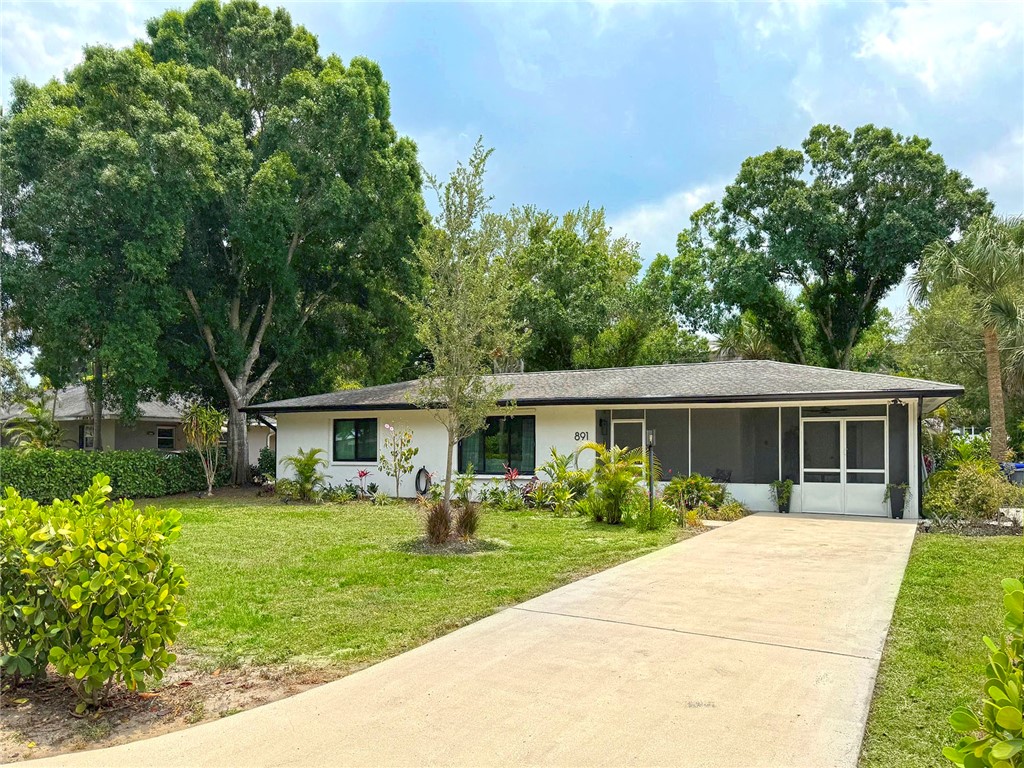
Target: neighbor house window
column 355, row 440
column 85, row 437
column 505, row 441
column 165, row 438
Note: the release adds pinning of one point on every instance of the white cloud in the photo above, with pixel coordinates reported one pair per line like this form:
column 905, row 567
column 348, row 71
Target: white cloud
column 40, row 41
column 944, row 45
column 1000, row 169
column 656, row 224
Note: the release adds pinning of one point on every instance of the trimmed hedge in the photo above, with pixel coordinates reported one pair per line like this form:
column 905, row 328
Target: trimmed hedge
column 45, row 474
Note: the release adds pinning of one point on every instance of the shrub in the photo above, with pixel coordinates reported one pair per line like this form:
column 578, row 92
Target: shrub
column 46, row 474
column 693, row 518
column 467, row 520
column 996, row 738
column 438, row 523
column 973, row 490
column 91, row 588
column 309, row 480
column 694, row 490
column 638, row 513
column 266, row 465
column 729, row 511
column 782, row 492
column 618, row 474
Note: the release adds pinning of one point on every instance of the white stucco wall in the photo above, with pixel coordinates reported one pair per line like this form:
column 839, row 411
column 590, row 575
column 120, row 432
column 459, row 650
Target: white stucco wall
column 560, row 426
column 557, row 426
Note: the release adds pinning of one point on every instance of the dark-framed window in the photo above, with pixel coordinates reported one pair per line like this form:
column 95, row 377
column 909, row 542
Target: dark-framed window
column 165, row 438
column 505, row 441
column 355, row 440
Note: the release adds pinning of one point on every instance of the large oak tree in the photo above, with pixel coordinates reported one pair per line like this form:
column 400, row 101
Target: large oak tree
column 318, row 209
column 100, row 175
column 829, row 229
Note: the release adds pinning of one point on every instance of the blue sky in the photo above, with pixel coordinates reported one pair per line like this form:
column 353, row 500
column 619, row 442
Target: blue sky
column 646, row 109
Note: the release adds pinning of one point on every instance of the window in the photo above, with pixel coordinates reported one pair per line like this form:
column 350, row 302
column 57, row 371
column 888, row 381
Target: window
column 165, row 438
column 505, row 441
column 85, row 437
column 355, row 440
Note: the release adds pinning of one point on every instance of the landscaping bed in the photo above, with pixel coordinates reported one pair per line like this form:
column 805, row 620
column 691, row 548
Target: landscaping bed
column 934, row 658
column 285, row 596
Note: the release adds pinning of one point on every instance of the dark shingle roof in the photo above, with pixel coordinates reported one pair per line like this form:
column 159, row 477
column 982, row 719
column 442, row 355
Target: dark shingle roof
column 726, row 381
column 73, row 405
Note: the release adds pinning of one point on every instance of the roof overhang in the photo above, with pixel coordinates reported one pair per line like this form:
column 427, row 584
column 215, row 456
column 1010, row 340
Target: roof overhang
column 930, row 400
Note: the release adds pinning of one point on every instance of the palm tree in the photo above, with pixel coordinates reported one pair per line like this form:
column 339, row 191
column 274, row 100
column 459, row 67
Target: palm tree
column 743, row 339
column 989, row 262
column 618, row 473
column 36, row 427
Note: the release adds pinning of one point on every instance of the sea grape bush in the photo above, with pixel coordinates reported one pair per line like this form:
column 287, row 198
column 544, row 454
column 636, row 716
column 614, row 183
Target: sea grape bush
column 90, row 587
column 995, row 738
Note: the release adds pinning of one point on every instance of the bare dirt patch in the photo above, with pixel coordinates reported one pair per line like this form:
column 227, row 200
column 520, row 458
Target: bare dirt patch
column 39, row 720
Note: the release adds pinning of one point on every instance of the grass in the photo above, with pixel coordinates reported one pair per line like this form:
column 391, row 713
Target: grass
column 344, row 585
column 934, row 658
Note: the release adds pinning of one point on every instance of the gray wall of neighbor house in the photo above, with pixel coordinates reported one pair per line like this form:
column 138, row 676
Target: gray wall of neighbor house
column 151, row 435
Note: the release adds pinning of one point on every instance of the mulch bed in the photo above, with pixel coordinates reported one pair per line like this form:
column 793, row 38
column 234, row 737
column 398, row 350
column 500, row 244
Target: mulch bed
column 39, row 719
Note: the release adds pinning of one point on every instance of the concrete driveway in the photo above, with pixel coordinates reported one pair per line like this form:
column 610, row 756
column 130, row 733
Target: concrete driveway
column 755, row 644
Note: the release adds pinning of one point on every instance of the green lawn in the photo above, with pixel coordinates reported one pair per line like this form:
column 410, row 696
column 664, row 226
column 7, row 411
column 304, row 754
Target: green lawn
column 344, row 585
column 934, row 659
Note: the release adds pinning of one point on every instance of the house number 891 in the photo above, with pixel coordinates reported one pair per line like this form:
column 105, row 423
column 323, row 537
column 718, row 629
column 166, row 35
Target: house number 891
column 582, row 436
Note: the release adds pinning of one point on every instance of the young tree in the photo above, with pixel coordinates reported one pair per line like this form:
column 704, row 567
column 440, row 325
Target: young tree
column 396, row 459
column 99, row 174
column 202, row 426
column 318, row 207
column 988, row 261
column 463, row 315
column 828, row 230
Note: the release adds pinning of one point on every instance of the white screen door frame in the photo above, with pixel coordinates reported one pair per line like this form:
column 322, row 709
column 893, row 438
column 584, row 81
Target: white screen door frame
column 843, row 489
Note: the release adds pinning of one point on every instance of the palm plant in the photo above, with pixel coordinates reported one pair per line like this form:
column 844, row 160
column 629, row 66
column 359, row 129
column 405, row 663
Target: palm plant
column 203, row 426
column 36, row 427
column 308, row 477
column 743, row 339
column 618, row 473
column 989, row 262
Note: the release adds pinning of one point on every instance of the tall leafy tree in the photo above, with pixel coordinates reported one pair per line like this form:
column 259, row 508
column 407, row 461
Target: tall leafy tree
column 99, row 175
column 988, row 262
column 318, row 209
column 463, row 318
column 830, row 228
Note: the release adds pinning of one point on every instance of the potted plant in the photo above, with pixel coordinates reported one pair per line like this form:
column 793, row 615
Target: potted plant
column 896, row 496
column 782, row 492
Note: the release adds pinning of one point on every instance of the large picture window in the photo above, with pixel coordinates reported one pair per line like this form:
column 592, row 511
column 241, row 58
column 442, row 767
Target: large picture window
column 505, row 441
column 355, row 440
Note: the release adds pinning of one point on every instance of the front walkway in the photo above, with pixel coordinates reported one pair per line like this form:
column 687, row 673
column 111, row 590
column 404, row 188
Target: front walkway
column 755, row 644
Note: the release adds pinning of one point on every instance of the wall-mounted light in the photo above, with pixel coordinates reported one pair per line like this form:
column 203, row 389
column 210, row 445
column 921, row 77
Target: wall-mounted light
column 151, row 432
column 896, row 401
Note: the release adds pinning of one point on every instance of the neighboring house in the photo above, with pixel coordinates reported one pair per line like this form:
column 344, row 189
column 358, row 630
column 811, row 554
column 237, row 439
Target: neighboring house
column 158, row 426
column 841, row 436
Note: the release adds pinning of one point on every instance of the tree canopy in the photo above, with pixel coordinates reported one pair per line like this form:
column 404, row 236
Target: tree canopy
column 318, row 205
column 829, row 229
column 99, row 176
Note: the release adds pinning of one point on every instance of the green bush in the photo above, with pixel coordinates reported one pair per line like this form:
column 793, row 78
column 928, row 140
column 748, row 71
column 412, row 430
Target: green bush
column 638, row 513
column 693, row 491
column 973, row 490
column 266, row 464
column 46, row 474
column 996, row 738
column 729, row 511
column 90, row 588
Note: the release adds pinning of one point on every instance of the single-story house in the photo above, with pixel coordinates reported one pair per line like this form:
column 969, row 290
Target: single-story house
column 158, row 426
column 840, row 436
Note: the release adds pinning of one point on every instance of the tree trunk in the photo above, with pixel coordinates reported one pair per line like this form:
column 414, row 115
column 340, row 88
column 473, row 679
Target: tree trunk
column 97, row 404
column 996, row 411
column 238, row 444
column 448, row 475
